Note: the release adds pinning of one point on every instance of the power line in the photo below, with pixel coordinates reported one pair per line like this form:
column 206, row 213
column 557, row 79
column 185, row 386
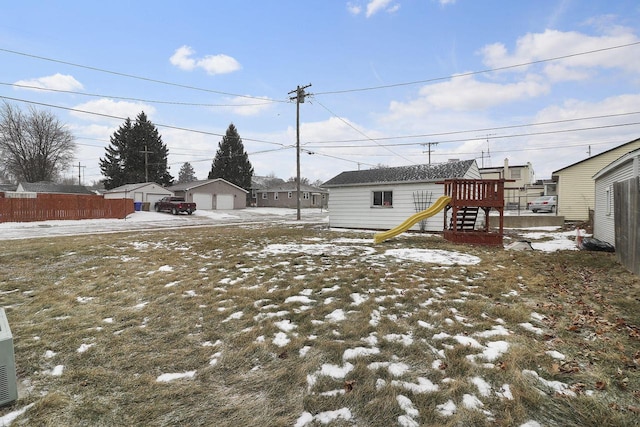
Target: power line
column 124, row 118
column 131, row 76
column 480, row 130
column 483, row 138
column 191, row 104
column 363, row 134
column 473, row 73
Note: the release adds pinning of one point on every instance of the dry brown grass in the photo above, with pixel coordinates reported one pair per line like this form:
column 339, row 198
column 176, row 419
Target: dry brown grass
column 141, row 319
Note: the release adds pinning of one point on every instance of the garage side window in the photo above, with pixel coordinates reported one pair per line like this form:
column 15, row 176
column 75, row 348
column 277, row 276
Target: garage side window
column 383, row 199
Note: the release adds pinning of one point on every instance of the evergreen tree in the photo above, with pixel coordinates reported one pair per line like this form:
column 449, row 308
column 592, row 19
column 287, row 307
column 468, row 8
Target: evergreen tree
column 232, row 162
column 187, row 173
column 136, row 154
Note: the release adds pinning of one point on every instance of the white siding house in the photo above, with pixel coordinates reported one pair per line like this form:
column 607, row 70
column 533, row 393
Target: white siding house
column 576, row 186
column 141, row 192
column 385, row 197
column 626, row 167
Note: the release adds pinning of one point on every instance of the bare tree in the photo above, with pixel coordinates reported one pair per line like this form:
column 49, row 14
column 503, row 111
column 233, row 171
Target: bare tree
column 34, row 146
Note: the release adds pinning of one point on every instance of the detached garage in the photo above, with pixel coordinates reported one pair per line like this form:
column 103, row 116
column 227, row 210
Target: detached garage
column 141, row 192
column 217, row 194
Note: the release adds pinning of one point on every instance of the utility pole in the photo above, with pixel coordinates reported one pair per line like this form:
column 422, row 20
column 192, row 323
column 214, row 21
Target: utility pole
column 146, row 163
column 429, row 144
column 299, row 98
column 79, row 178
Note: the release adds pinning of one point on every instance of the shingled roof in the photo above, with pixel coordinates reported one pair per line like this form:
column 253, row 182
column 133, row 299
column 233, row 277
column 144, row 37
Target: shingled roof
column 50, row 187
column 403, row 174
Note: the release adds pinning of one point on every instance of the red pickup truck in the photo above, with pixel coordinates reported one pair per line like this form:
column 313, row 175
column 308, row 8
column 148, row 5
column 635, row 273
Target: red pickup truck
column 175, row 205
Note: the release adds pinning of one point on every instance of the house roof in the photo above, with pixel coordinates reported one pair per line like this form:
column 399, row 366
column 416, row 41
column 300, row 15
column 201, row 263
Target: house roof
column 50, row 187
column 403, row 174
column 186, row 186
column 593, row 157
column 8, row 187
column 131, row 187
column 291, row 186
column 261, row 182
column 616, row 163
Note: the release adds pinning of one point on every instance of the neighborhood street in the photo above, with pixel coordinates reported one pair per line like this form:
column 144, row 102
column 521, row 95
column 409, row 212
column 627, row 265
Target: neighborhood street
column 142, row 220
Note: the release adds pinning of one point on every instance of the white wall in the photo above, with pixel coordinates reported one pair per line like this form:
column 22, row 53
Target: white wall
column 351, row 207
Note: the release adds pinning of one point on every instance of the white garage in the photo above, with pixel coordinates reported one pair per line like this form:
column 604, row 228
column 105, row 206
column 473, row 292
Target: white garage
column 224, row 201
column 203, row 201
column 209, row 194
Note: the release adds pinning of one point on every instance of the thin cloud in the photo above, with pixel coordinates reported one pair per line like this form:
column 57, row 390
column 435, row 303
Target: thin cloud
column 467, row 94
column 249, row 107
column 212, row 64
column 111, row 108
column 56, row 82
column 375, row 6
column 354, row 9
column 552, row 43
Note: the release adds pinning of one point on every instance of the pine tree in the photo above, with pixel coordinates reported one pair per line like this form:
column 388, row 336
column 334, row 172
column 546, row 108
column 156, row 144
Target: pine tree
column 187, row 173
column 136, row 154
column 232, row 162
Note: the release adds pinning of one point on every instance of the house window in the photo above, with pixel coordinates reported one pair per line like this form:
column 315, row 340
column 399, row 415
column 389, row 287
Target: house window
column 264, row 196
column 305, row 196
column 609, row 201
column 515, row 173
column 275, row 196
column 254, row 194
column 383, row 198
column 289, row 194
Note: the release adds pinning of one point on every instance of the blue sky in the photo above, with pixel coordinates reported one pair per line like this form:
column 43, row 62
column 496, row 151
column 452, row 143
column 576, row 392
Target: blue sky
column 478, row 78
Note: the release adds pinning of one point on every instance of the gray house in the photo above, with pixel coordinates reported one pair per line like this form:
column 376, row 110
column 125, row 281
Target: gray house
column 284, row 195
column 385, row 197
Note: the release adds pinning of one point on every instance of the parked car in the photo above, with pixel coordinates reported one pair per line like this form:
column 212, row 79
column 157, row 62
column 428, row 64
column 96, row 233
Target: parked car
column 544, row 203
column 174, row 205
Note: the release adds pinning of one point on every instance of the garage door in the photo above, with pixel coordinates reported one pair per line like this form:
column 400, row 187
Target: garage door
column 224, row 201
column 203, row 201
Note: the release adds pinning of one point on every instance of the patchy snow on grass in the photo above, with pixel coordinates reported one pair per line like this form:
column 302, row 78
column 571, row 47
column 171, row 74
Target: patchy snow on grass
column 164, row 378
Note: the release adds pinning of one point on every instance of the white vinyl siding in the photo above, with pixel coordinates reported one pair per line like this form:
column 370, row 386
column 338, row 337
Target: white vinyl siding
column 350, row 207
column 604, row 215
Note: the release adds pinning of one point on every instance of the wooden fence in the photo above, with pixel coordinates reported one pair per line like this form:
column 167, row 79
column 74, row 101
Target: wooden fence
column 627, row 223
column 46, row 207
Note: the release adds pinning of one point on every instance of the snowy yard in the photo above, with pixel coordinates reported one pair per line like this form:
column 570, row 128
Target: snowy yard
column 300, row 325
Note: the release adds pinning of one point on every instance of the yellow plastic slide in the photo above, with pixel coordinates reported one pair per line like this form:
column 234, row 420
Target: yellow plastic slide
column 440, row 204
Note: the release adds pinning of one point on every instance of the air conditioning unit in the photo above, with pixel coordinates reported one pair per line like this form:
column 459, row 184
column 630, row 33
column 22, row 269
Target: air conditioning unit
column 8, row 386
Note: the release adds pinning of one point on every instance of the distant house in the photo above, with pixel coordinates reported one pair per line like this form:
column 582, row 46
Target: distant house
column 285, row 196
column 625, row 168
column 576, row 186
column 383, row 198
column 141, row 192
column 261, row 183
column 51, row 188
column 210, row 194
column 8, row 187
column 522, row 189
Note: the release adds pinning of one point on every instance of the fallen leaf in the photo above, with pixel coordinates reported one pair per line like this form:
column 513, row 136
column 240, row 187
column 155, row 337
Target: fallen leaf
column 635, row 409
column 348, row 385
column 601, row 385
